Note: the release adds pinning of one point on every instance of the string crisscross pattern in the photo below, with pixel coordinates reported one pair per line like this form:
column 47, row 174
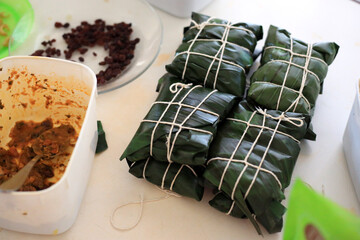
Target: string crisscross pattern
column 177, row 88
column 295, row 121
column 162, row 186
column 305, row 72
column 218, row 57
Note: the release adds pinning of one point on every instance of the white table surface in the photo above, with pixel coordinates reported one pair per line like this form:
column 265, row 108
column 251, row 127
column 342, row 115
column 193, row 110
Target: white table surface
column 321, row 164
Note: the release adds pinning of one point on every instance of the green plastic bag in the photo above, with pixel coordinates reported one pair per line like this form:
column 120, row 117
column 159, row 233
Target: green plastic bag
column 313, row 216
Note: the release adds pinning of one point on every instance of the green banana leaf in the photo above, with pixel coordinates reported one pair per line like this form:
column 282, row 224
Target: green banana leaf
column 182, row 131
column 242, row 38
column 183, row 179
column 263, row 147
column 216, row 54
column 101, row 143
column 271, row 219
column 294, row 87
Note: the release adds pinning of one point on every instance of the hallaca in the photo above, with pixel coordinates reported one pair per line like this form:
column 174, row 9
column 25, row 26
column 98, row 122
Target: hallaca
column 181, row 178
column 271, row 219
column 216, row 54
column 173, row 140
column 292, row 72
column 251, row 161
column 180, row 124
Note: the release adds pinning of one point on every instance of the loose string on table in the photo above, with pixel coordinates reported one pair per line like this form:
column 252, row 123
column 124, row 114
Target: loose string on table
column 141, row 202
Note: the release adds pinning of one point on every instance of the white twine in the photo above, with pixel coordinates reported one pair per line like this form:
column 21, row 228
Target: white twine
column 305, row 69
column 208, row 23
column 263, row 158
column 246, row 158
column 211, row 57
column 188, row 106
column 298, row 66
column 248, row 164
column 175, row 177
column 145, row 166
column 289, row 89
column 171, row 148
column 296, row 54
column 265, row 127
column 141, row 202
column 283, row 117
column 220, row 51
column 177, row 125
column 231, row 208
column 234, row 152
column 222, row 41
column 286, row 74
column 176, row 88
column 120, row 228
column 162, row 186
column 164, row 176
column 303, row 80
column 158, row 122
column 298, row 122
column 190, row 46
column 168, row 142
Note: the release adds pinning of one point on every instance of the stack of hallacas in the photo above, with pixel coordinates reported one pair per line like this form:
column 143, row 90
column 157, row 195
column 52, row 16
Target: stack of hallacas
column 200, row 128
column 170, row 147
column 205, row 80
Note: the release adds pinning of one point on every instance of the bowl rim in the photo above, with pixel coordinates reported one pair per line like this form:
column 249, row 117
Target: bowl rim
column 92, row 99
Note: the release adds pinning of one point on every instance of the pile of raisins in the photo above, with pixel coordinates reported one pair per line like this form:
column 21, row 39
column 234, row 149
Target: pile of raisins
column 114, row 38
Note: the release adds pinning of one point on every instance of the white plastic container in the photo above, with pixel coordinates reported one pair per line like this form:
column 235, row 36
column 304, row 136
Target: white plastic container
column 180, row 8
column 351, row 142
column 52, row 210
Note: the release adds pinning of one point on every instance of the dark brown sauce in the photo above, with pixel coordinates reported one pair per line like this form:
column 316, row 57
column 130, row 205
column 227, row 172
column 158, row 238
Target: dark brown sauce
column 23, row 135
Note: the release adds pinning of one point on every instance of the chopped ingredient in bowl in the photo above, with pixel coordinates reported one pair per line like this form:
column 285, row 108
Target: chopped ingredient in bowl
column 53, row 141
column 114, row 38
column 28, row 139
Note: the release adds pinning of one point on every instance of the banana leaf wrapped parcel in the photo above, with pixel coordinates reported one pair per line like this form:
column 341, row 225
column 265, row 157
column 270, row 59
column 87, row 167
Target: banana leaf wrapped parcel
column 173, row 140
column 271, row 219
column 181, row 178
column 216, row 54
column 251, row 161
column 207, row 27
column 292, row 72
column 180, row 125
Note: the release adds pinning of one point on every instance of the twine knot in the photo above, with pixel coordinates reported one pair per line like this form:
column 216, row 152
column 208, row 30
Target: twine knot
column 174, row 88
column 298, row 122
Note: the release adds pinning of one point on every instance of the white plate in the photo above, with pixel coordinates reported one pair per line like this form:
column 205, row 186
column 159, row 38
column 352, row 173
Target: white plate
column 145, row 22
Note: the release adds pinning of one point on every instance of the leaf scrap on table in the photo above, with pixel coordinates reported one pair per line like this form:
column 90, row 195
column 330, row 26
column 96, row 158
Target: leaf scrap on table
column 101, row 143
